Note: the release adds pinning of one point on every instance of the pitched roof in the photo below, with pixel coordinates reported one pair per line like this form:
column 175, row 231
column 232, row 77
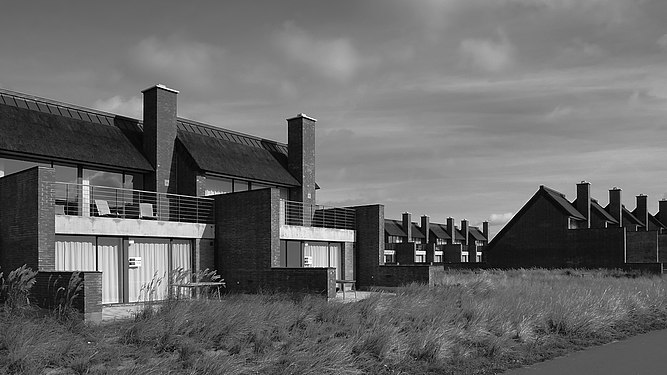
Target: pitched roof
column 595, row 206
column 393, row 228
column 42, row 128
column 654, row 220
column 416, row 231
column 439, row 231
column 630, row 218
column 561, row 202
column 72, row 133
column 236, row 159
column 476, row 234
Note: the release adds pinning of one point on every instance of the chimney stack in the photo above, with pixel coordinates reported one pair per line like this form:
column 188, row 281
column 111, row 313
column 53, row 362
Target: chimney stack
column 615, row 207
column 485, row 230
column 584, row 201
column 425, row 227
column 662, row 213
column 407, row 226
column 451, row 230
column 159, row 137
column 464, row 230
column 301, row 157
column 642, row 210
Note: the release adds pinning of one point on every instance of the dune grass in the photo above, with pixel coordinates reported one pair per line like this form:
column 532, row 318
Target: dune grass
column 468, row 323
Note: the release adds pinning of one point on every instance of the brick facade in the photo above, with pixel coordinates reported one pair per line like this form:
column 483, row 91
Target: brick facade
column 399, row 275
column 54, row 288
column 370, row 243
column 27, row 225
column 159, row 138
column 642, row 247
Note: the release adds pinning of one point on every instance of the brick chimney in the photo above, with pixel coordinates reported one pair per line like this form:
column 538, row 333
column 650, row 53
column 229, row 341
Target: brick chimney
column 301, row 157
column 451, row 230
column 407, row 226
column 584, row 201
column 662, row 213
column 464, row 230
column 485, row 230
column 641, row 212
column 425, row 227
column 615, row 207
column 159, row 137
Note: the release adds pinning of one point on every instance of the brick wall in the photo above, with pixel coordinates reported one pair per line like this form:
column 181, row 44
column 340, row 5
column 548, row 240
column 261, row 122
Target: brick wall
column 204, row 254
column 398, row 275
column 452, row 253
column 320, row 281
column 27, row 219
column 247, row 241
column 642, row 247
column 159, row 138
column 370, row 243
column 662, row 248
column 405, row 252
column 53, row 288
column 598, row 247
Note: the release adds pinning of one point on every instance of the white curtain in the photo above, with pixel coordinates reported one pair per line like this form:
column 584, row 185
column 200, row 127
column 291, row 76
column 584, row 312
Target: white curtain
column 319, row 252
column 148, row 280
column 181, row 255
column 335, row 259
column 109, row 261
column 75, row 253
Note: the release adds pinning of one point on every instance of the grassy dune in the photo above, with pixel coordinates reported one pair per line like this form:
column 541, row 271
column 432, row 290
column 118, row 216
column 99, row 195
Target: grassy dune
column 469, row 323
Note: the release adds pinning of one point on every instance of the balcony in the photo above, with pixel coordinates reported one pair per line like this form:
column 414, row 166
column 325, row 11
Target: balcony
column 100, row 201
column 307, row 215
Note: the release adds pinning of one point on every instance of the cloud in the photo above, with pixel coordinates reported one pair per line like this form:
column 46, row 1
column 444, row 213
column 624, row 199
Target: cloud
column 131, row 107
column 176, row 61
column 487, row 55
column 500, row 219
column 335, row 58
column 662, row 41
column 558, row 113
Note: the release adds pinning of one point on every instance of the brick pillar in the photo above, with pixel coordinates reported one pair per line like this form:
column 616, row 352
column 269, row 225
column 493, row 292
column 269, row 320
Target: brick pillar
column 301, row 157
column 662, row 213
column 583, row 202
column 369, row 250
column 159, row 137
column 615, row 207
column 641, row 212
column 451, row 230
column 407, row 227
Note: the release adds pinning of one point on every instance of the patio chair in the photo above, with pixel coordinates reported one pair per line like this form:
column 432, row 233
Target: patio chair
column 146, row 211
column 103, row 208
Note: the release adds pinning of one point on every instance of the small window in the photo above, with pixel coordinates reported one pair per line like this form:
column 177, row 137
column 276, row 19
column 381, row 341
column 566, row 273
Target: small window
column 478, row 258
column 420, row 256
column 389, row 256
column 464, row 257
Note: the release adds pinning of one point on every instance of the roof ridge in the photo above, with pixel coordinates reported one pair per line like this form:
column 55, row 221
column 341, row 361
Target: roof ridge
column 229, row 131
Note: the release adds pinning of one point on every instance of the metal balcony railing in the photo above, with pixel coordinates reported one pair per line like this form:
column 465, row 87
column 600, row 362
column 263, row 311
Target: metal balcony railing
column 89, row 200
column 307, row 215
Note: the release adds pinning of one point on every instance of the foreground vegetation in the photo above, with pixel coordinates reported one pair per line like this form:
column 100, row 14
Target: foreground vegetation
column 469, row 323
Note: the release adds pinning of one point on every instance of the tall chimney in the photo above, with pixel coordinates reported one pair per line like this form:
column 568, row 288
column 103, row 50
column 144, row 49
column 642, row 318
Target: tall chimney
column 301, row 157
column 485, row 230
column 426, row 227
column 615, row 207
column 407, row 226
column 451, row 230
column 662, row 213
column 584, row 201
column 159, row 137
column 642, row 210
column 464, row 230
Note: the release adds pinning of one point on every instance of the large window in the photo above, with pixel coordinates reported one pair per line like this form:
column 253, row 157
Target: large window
column 298, row 254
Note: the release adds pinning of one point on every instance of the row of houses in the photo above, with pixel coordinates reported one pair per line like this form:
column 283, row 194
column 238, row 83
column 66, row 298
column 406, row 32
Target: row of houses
column 122, row 202
column 552, row 231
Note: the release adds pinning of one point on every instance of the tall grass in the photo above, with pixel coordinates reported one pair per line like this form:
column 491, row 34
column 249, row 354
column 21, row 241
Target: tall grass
column 469, row 322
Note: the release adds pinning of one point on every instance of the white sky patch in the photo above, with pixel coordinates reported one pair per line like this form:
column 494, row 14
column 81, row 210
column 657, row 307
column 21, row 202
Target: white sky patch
column 486, row 54
column 334, row 58
column 175, row 59
column 131, row 107
column 500, row 219
column 559, row 113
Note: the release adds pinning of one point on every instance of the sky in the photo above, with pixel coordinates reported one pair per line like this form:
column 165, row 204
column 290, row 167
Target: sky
column 458, row 108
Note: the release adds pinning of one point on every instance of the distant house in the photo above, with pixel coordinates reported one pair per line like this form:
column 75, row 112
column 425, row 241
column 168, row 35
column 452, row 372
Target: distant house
column 406, row 242
column 551, row 231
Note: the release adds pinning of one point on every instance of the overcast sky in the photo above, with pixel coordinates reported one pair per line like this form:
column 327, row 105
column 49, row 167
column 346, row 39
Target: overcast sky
column 455, row 108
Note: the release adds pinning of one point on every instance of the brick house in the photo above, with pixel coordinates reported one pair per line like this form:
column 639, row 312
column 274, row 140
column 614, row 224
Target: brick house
column 406, row 242
column 550, row 231
column 127, row 201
